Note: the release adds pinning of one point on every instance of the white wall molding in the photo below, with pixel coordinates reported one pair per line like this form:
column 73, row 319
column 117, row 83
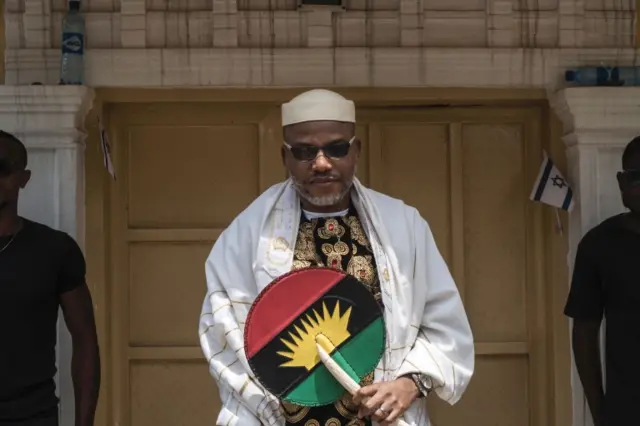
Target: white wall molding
column 37, row 111
column 598, row 124
column 599, row 108
column 49, row 121
column 295, row 67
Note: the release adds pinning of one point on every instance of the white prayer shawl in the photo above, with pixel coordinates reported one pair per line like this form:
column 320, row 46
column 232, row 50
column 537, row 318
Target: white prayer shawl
column 427, row 328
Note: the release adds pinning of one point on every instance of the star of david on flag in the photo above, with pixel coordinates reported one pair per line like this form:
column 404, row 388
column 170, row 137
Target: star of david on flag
column 551, row 187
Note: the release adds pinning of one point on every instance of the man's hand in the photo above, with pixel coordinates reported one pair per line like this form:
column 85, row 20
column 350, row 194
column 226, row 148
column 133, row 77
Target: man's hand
column 386, row 401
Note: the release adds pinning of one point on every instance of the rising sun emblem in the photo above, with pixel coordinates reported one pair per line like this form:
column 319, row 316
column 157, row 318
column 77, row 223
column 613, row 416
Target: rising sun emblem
column 303, row 345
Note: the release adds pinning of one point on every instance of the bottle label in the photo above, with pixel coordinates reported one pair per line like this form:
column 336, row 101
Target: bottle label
column 73, row 43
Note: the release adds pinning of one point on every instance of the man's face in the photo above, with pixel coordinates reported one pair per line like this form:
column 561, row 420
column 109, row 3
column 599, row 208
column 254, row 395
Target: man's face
column 13, row 177
column 322, row 160
column 629, row 182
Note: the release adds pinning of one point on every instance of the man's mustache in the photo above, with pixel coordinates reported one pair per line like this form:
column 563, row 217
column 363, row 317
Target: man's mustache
column 324, row 178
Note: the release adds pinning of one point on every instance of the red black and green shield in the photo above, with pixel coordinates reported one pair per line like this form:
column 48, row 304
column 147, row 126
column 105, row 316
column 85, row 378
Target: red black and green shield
column 287, row 315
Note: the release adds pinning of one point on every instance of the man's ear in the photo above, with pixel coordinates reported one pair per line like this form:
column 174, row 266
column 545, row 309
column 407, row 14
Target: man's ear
column 358, row 147
column 24, row 179
column 621, row 181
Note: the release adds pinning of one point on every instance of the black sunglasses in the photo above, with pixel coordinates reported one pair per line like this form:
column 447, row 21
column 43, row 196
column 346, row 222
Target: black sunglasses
column 631, row 175
column 305, row 152
column 6, row 167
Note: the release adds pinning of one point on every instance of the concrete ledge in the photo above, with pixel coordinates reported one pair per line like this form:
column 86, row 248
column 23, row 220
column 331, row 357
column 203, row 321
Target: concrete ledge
column 340, row 67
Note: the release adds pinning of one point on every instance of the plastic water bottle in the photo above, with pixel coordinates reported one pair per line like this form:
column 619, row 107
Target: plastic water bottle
column 603, row 76
column 629, row 76
column 72, row 60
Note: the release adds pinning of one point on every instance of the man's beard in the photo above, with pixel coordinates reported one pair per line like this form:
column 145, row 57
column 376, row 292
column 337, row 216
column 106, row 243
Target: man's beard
column 631, row 199
column 323, row 201
column 633, row 205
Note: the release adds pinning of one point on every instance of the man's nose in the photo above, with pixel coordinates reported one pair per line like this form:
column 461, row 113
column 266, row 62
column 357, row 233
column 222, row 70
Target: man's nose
column 321, row 163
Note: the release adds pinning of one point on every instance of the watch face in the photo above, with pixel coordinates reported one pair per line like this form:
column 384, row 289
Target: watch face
column 424, row 383
column 429, row 383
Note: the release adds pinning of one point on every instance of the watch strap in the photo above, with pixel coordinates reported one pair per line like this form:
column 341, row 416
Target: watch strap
column 422, row 382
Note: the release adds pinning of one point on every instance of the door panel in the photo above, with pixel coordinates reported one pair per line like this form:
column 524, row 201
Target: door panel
column 166, row 284
column 415, row 168
column 494, row 205
column 172, row 167
column 172, row 393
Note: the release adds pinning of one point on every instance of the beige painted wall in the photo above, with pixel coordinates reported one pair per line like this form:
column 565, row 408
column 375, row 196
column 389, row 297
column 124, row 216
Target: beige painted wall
column 374, row 43
column 383, row 23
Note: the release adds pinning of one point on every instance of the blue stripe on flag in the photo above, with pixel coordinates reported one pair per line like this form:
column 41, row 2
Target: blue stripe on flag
column 567, row 199
column 543, row 180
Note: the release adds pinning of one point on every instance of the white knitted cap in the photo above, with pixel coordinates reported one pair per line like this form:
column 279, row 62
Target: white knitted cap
column 318, row 104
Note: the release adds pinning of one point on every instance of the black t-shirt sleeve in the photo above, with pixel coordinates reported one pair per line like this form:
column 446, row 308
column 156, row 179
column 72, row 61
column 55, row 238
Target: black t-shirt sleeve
column 586, row 296
column 73, row 267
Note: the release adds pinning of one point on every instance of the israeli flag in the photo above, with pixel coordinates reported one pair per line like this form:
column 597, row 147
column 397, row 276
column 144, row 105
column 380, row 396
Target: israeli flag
column 551, row 187
column 106, row 150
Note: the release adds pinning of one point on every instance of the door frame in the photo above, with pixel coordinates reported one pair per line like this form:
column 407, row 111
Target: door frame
column 98, row 187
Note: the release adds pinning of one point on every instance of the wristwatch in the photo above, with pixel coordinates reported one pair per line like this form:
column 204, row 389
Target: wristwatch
column 423, row 383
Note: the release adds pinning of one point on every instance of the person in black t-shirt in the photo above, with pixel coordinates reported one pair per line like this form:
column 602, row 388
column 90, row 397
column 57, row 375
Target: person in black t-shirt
column 606, row 283
column 41, row 269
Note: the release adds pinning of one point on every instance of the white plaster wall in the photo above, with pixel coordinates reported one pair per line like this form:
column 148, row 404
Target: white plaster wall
column 37, row 201
column 608, row 164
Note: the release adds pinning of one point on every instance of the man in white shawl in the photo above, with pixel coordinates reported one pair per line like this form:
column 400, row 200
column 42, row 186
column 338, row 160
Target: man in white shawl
column 305, row 221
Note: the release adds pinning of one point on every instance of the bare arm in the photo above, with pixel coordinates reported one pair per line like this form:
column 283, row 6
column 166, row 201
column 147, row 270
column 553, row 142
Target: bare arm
column 77, row 309
column 85, row 363
column 586, row 350
column 585, row 304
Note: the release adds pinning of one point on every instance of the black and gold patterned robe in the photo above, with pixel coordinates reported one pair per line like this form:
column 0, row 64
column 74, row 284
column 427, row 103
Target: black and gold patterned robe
column 341, row 243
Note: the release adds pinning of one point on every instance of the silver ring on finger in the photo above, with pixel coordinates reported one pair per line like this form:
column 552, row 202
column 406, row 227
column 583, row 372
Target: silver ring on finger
column 383, row 411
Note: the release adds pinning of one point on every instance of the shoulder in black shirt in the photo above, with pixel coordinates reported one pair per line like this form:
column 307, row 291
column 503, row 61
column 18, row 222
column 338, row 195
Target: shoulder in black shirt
column 605, row 270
